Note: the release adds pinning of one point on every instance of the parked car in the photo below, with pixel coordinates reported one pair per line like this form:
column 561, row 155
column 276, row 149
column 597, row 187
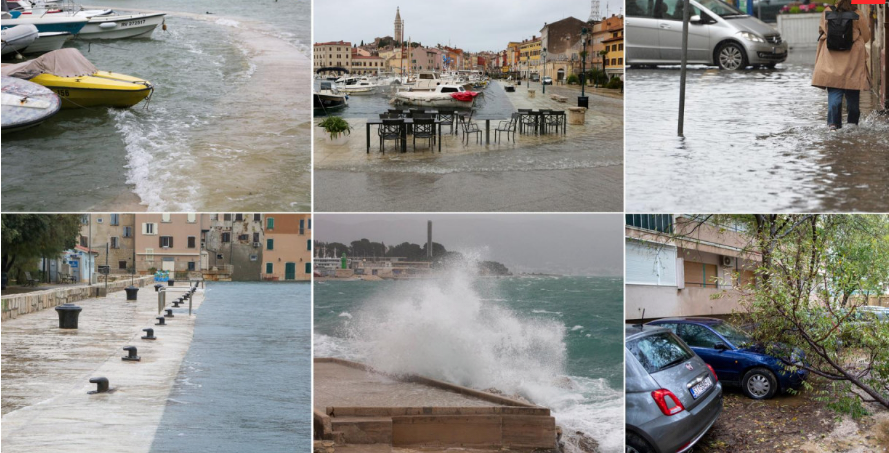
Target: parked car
column 734, row 356
column 547, row 80
column 768, row 10
column 719, row 34
column 672, row 397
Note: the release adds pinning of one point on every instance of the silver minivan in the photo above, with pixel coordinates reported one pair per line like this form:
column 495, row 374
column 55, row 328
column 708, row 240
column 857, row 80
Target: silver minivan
column 719, row 34
column 672, row 396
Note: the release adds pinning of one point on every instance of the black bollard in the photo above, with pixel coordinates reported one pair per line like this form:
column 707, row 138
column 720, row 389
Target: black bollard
column 131, row 292
column 132, row 357
column 171, row 282
column 169, row 313
column 68, row 314
column 102, row 386
column 160, row 321
column 158, row 287
column 149, row 335
column 176, row 303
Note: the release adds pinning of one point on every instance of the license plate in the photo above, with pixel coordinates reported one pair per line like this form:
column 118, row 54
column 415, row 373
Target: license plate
column 701, row 387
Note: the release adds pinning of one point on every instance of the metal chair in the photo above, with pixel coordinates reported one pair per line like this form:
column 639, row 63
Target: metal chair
column 527, row 119
column 448, row 115
column 424, row 128
column 555, row 119
column 470, row 128
column 396, row 113
column 507, row 126
column 390, row 130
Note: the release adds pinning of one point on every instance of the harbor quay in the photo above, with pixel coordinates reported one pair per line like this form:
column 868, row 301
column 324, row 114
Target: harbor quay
column 359, row 409
column 48, row 401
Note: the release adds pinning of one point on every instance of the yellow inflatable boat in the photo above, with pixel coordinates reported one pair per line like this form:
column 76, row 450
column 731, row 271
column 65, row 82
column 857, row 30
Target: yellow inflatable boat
column 80, row 84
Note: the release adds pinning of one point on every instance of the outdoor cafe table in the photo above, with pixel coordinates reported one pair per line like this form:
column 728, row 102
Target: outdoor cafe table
column 540, row 120
column 407, row 122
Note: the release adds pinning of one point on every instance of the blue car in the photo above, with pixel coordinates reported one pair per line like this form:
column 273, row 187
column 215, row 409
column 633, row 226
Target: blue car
column 735, row 358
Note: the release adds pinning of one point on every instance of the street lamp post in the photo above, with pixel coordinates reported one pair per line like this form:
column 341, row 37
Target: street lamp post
column 583, row 101
column 543, row 79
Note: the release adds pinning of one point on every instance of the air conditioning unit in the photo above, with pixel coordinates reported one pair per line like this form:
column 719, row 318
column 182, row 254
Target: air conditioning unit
column 728, row 261
column 256, row 245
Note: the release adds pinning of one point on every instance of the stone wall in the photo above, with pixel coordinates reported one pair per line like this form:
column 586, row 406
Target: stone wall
column 19, row 304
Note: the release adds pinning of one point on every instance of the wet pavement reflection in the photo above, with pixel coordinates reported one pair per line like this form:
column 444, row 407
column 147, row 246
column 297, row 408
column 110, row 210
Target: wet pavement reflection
column 755, row 140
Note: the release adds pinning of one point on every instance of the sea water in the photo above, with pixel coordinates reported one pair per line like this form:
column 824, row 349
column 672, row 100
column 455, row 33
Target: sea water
column 555, row 341
column 244, row 384
column 214, row 136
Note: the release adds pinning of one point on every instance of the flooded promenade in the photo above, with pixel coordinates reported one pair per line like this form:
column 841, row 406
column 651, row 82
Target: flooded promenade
column 46, row 372
column 581, row 170
column 758, row 136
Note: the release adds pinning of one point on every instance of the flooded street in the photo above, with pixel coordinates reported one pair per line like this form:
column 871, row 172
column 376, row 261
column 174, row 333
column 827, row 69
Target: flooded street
column 757, row 138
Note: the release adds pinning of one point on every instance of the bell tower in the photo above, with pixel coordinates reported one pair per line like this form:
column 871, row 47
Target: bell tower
column 399, row 28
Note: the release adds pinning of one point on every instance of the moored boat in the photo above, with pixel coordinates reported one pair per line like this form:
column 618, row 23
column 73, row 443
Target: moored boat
column 45, row 23
column 121, row 26
column 444, row 96
column 328, row 98
column 80, row 84
column 26, row 104
column 47, row 42
column 17, row 38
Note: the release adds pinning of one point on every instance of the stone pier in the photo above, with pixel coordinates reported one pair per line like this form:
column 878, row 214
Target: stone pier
column 46, row 372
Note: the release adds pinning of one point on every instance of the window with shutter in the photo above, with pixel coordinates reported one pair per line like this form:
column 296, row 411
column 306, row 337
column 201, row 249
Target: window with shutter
column 269, row 268
column 192, row 217
column 270, row 244
column 191, row 242
column 165, row 217
column 309, row 244
column 239, row 217
column 122, row 265
column 270, row 223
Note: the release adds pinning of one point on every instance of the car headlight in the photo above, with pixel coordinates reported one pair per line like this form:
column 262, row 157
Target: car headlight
column 751, row 37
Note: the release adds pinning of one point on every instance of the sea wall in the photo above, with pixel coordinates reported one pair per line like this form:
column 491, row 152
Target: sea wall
column 19, row 304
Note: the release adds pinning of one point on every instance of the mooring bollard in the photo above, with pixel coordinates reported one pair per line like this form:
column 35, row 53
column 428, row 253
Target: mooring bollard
column 149, row 334
column 132, row 291
column 160, row 321
column 132, row 357
column 169, row 313
column 158, row 287
column 68, row 315
column 176, row 303
column 171, row 282
column 102, row 386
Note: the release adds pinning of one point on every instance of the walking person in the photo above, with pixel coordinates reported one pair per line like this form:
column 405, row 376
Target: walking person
column 840, row 62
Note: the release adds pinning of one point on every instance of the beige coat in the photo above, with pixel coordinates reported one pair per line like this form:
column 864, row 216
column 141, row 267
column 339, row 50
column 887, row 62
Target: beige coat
column 845, row 69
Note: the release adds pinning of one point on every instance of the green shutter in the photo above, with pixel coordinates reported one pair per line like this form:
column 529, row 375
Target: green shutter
column 270, row 244
column 309, row 244
column 308, row 268
column 270, row 223
column 269, row 268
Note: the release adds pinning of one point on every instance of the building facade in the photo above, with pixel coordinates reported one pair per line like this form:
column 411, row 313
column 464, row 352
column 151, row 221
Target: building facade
column 676, row 266
column 334, row 54
column 287, row 247
column 169, row 242
column 529, row 58
column 607, row 39
column 232, row 246
column 112, row 237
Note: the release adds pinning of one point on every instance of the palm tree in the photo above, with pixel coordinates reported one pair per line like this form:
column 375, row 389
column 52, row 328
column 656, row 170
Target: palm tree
column 603, row 54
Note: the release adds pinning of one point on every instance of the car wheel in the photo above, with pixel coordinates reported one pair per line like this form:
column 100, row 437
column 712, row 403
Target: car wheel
column 759, row 384
column 636, row 444
column 731, row 56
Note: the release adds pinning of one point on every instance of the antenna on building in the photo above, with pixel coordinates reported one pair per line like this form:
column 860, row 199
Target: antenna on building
column 594, row 11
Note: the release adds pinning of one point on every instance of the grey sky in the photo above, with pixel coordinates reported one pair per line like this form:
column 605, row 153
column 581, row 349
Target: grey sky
column 576, row 244
column 471, row 25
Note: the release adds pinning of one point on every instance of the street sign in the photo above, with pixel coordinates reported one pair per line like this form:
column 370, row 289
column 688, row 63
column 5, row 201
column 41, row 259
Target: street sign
column 104, row 270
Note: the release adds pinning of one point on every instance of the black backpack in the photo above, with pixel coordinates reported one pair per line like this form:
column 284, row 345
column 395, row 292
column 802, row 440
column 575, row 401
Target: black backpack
column 839, row 29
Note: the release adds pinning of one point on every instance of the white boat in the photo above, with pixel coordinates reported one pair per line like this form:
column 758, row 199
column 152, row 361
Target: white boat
column 121, row 26
column 328, row 98
column 17, row 38
column 443, row 96
column 48, row 42
column 26, row 104
column 425, row 80
column 45, row 24
column 356, row 85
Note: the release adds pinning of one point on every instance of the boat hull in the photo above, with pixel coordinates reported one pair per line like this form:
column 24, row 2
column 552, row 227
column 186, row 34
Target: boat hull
column 71, row 25
column 26, row 104
column 18, row 38
column 432, row 101
column 324, row 103
column 102, row 89
column 47, row 42
column 120, row 27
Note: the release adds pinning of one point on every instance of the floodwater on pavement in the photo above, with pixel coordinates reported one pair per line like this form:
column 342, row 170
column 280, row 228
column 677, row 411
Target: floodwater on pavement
column 245, row 383
column 755, row 139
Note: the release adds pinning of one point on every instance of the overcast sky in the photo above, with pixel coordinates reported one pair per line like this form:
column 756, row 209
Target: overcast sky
column 472, row 25
column 581, row 244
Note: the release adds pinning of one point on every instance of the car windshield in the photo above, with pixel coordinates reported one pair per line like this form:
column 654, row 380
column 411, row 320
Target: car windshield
column 732, row 334
column 721, row 9
column 660, row 351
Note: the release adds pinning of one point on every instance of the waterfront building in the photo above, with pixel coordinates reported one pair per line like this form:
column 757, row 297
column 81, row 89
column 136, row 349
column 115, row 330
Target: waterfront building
column 676, row 268
column 529, row 58
column 287, row 247
column 231, row 246
column 366, row 64
column 169, row 242
column 563, row 43
column 114, row 233
column 615, row 56
column 609, row 29
column 334, row 54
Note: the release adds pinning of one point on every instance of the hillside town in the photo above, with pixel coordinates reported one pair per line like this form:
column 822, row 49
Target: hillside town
column 524, row 58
